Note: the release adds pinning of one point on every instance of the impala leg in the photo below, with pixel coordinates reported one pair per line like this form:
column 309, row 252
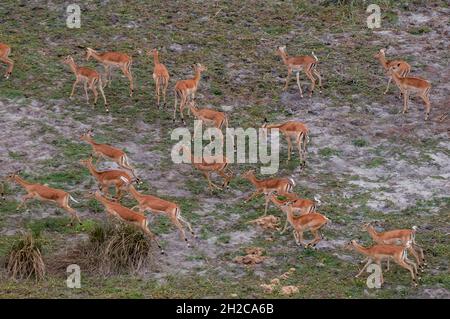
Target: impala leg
column 416, row 256
column 317, row 238
column 285, row 226
column 86, row 91
column 257, row 193
column 403, row 264
column 10, row 64
column 427, row 106
column 267, row 201
column 422, row 256
column 389, row 83
column 405, row 102
column 369, row 261
column 298, row 83
column 166, row 84
column 177, row 224
column 320, row 79
column 94, row 90
column 289, row 143
column 288, row 78
column 152, row 236
column 73, row 88
column 378, row 262
column 313, row 82
column 157, row 90
column 24, row 199
column 187, row 224
column 126, row 70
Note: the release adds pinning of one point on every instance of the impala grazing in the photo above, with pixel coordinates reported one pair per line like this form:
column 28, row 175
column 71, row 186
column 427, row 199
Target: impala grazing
column 5, row 50
column 416, row 86
column 296, row 130
column 267, row 186
column 157, row 205
column 378, row 253
column 113, row 59
column 312, row 222
column 291, row 204
column 160, row 76
column 117, row 178
column 186, row 89
column 108, row 152
column 45, row 193
column 208, row 165
column 398, row 237
column 401, row 67
column 298, row 63
column 125, row 214
column 89, row 78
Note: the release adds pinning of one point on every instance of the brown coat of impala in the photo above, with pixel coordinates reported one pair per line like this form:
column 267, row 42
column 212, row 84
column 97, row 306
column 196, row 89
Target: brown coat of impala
column 125, row 214
column 401, row 67
column 158, row 205
column 268, row 186
column 117, row 178
column 5, row 50
column 89, row 78
column 305, row 63
column 398, row 237
column 45, row 193
column 295, row 130
column 415, row 86
column 106, row 151
column 186, row 90
column 378, row 253
column 209, row 117
column 160, row 76
column 113, row 59
column 312, row 222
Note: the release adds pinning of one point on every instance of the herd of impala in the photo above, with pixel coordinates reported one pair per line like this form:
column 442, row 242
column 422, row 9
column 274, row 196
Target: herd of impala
column 301, row 213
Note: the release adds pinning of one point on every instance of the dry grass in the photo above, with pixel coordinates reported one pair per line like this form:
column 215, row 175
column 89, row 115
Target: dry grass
column 24, row 259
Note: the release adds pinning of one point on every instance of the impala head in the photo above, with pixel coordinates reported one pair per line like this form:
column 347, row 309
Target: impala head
column 248, row 173
column 10, row 177
column 350, row 245
column 200, row 68
column 281, row 50
column 89, row 53
column 380, row 53
column 87, row 135
column 86, row 162
column 68, row 60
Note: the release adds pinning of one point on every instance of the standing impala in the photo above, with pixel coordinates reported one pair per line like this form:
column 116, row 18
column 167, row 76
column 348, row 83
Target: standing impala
column 113, row 59
column 401, row 67
column 5, row 50
column 378, row 253
column 209, row 117
column 45, row 193
column 89, row 77
column 186, row 89
column 117, row 178
column 416, row 86
column 303, row 63
column 160, row 76
column 123, row 213
column 398, row 237
column 267, row 186
column 108, row 152
column 208, row 165
column 296, row 130
column 161, row 206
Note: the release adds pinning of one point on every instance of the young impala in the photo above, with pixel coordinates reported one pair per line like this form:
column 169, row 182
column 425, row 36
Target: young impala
column 416, row 86
column 296, row 130
column 117, row 178
column 208, row 165
column 186, row 89
column 108, row 152
column 90, row 79
column 45, row 193
column 157, row 205
column 312, row 222
column 5, row 50
column 115, row 209
column 267, row 186
column 160, row 76
column 298, row 63
column 378, row 253
column 401, row 67
column 291, row 204
column 398, row 237
column 113, row 59
column 209, row 117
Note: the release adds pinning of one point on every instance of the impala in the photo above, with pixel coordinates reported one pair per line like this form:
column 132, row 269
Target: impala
column 303, row 63
column 378, row 253
column 125, row 214
column 401, row 67
column 89, row 77
column 117, row 178
column 210, row 117
column 5, row 50
column 296, row 130
column 186, row 89
column 268, row 186
column 211, row 164
column 312, row 222
column 113, row 59
column 398, row 237
column 161, row 206
column 108, row 152
column 291, row 204
column 416, row 86
column 160, row 76
column 45, row 193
